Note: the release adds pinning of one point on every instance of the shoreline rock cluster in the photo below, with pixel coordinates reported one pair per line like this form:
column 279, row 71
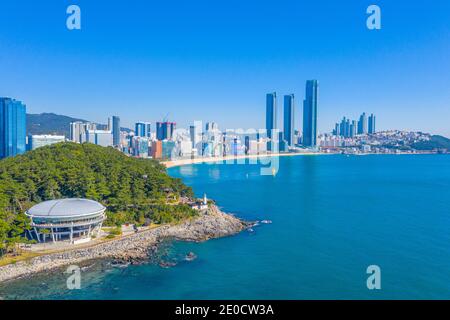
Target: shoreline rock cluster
column 133, row 248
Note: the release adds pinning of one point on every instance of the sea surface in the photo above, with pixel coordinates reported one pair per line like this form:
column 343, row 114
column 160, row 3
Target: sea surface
column 332, row 217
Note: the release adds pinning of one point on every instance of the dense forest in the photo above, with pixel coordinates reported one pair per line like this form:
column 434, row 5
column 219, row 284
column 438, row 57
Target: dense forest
column 133, row 190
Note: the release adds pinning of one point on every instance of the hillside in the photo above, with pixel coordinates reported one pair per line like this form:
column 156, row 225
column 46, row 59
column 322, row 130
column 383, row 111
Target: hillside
column 436, row 142
column 50, row 123
column 133, row 190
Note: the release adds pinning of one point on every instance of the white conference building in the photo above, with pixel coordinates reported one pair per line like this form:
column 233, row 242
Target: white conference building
column 75, row 220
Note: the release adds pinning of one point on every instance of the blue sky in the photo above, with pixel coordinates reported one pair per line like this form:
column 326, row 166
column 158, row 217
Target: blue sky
column 214, row 60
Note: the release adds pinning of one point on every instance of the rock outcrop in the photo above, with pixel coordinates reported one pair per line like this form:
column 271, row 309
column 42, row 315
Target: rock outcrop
column 132, row 248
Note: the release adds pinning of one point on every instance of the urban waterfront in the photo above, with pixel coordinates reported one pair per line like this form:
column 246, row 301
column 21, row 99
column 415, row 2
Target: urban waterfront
column 332, row 216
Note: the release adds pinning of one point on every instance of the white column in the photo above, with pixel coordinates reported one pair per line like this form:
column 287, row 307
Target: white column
column 37, row 235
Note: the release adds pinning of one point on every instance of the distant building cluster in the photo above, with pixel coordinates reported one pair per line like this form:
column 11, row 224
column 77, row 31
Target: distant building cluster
column 350, row 128
column 392, row 141
column 164, row 141
column 288, row 138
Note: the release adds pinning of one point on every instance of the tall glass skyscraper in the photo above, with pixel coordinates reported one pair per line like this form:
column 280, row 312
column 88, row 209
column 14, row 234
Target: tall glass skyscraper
column 372, row 124
column 271, row 113
column 271, row 118
column 288, row 115
column 164, row 130
column 12, row 127
column 116, row 130
column 142, row 129
column 310, row 114
column 362, row 124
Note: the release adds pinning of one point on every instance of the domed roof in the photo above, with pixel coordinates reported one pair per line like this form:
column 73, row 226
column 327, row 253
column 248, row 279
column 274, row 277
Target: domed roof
column 66, row 208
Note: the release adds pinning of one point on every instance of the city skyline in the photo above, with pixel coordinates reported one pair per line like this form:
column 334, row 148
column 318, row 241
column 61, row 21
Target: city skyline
column 190, row 74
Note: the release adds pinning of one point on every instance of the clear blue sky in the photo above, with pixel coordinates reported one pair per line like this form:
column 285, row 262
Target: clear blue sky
column 214, row 60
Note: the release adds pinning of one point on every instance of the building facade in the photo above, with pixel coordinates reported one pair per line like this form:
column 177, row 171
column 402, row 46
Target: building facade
column 12, row 127
column 102, row 138
column 362, row 124
column 310, row 114
column 371, row 128
column 37, row 141
column 288, row 123
column 74, row 220
column 142, row 129
column 116, row 130
column 271, row 113
column 164, row 130
column 78, row 130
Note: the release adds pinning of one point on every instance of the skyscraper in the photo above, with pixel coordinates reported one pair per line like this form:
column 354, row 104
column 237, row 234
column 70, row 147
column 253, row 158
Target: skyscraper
column 310, row 114
column 78, row 130
column 271, row 118
column 271, row 113
column 195, row 135
column 337, row 129
column 362, row 124
column 353, row 128
column 142, row 129
column 12, row 127
column 288, row 116
column 116, row 130
column 164, row 130
column 211, row 126
column 372, row 124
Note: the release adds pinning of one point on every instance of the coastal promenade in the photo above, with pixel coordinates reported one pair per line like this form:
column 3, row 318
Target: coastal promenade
column 130, row 248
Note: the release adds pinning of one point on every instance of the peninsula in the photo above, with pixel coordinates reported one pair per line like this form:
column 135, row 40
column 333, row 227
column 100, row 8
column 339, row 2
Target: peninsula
column 133, row 192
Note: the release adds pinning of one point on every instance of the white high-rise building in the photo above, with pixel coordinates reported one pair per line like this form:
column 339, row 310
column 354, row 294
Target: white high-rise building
column 78, row 130
column 102, row 138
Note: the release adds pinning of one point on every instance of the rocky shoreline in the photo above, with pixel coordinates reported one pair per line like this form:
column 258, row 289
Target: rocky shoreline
column 133, row 248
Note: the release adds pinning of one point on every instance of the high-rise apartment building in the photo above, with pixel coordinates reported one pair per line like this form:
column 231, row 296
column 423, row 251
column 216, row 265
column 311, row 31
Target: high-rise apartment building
column 12, row 127
column 310, row 113
column 288, row 116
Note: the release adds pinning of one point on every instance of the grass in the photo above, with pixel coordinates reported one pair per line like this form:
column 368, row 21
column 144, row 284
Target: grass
column 12, row 259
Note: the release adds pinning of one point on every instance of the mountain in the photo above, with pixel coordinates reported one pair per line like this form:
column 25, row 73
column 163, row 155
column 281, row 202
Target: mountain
column 50, row 123
column 436, row 142
column 133, row 190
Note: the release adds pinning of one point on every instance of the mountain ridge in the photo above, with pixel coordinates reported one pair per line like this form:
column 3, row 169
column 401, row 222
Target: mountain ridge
column 55, row 124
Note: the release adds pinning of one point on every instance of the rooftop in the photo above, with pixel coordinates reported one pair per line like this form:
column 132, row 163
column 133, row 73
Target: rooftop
column 66, row 208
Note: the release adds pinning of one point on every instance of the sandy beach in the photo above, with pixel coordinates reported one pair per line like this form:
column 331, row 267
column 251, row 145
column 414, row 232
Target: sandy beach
column 182, row 162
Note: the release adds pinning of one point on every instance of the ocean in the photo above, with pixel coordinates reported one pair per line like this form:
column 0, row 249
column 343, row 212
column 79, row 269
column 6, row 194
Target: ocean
column 332, row 217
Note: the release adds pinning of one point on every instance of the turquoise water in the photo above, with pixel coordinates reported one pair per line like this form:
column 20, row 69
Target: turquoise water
column 332, row 217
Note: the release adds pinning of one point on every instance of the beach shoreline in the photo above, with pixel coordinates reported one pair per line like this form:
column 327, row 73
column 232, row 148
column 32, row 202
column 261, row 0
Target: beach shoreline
column 132, row 248
column 229, row 158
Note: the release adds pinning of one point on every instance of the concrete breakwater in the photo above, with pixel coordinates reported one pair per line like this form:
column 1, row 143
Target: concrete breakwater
column 135, row 247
